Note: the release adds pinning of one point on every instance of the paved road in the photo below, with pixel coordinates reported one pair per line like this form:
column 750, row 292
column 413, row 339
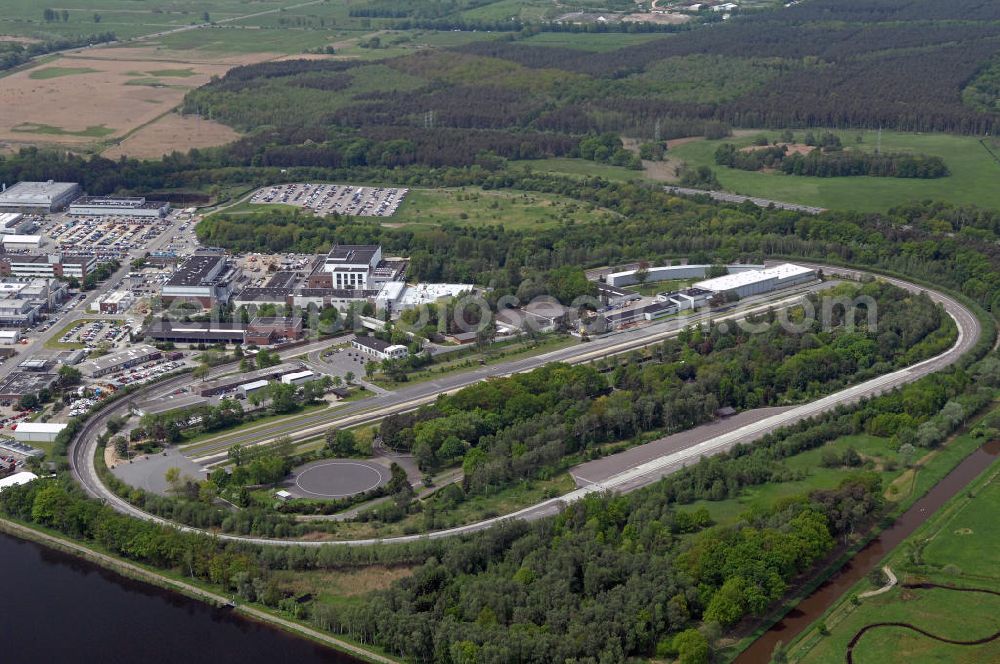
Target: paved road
column 613, row 478
column 411, row 397
column 726, row 197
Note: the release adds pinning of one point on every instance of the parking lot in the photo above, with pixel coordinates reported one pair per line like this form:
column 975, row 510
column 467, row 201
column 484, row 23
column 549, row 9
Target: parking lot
column 326, row 199
column 143, row 373
column 92, row 334
column 105, row 237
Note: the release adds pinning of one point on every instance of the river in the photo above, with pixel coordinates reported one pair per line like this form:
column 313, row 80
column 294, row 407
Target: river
column 812, row 607
column 58, row 608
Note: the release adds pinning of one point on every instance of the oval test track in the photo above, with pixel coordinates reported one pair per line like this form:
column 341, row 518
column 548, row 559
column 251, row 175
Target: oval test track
column 83, row 447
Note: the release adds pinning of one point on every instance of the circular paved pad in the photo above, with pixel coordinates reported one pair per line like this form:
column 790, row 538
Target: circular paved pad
column 339, row 478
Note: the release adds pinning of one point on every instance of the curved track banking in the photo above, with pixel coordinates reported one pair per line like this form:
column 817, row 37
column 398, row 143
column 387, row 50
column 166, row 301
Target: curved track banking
column 913, row 628
column 82, row 450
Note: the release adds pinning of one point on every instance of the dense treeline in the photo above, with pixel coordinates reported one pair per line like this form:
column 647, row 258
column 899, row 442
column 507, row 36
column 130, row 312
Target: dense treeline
column 13, row 54
column 507, row 429
column 839, row 163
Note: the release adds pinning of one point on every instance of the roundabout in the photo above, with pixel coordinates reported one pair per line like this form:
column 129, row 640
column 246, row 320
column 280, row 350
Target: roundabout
column 339, row 478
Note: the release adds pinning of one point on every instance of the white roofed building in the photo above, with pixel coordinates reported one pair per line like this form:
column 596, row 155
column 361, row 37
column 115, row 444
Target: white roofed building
column 756, row 282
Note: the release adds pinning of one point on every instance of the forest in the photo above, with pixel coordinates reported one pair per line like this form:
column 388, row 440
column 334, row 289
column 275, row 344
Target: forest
column 834, row 163
column 504, row 430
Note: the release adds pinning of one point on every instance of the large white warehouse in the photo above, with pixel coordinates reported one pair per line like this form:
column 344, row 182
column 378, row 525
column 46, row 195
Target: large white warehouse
column 755, row 282
column 35, row 432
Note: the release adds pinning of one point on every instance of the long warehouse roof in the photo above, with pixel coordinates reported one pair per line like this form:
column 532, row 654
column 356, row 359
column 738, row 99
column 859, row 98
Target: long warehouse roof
column 731, row 281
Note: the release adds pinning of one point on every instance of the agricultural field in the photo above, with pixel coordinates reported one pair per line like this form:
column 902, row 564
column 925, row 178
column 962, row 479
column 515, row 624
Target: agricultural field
column 974, row 172
column 957, row 547
column 476, row 207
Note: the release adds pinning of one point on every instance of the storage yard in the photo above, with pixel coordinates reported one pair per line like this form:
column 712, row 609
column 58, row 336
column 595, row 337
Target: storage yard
column 324, row 199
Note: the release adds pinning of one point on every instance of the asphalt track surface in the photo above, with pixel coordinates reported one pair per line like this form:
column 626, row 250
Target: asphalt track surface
column 409, row 398
column 336, row 478
column 614, row 479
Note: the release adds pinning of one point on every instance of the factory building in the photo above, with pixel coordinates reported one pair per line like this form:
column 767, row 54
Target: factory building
column 124, row 359
column 203, row 278
column 37, row 432
column 757, row 282
column 15, row 223
column 122, row 207
column 21, row 242
column 38, row 197
column 255, row 387
column 195, row 332
column 264, row 331
column 379, row 349
column 355, row 267
column 300, row 377
column 18, row 383
column 47, row 265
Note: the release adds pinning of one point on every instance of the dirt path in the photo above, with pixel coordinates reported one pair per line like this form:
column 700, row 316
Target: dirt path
column 889, row 585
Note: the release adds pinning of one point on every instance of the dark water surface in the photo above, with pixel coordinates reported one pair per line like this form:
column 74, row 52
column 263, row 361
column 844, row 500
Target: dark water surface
column 813, row 606
column 55, row 608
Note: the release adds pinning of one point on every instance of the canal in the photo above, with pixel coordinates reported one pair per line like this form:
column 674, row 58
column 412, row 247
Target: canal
column 58, row 608
column 812, row 607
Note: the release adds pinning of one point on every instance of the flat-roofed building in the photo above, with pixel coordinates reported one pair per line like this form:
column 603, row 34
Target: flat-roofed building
column 18, row 383
column 117, row 361
column 195, row 332
column 266, row 330
column 15, row 223
column 47, row 265
column 756, row 282
column 44, row 197
column 379, row 349
column 111, row 206
column 21, row 242
column 37, row 432
column 204, row 278
column 253, row 387
column 300, row 377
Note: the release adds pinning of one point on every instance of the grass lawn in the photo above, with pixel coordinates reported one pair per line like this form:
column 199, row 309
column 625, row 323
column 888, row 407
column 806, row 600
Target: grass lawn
column 973, row 177
column 340, row 587
column 56, row 72
column 93, row 131
column 235, row 39
column 190, row 441
column 471, row 206
column 960, row 545
column 580, row 168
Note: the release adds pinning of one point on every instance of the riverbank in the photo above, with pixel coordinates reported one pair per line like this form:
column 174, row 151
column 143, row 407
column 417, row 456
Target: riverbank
column 147, row 575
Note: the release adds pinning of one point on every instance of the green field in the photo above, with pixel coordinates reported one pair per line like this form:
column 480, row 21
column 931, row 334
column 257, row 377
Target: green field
column 56, row 72
column 580, row 168
column 471, row 206
column 597, row 42
column 973, row 179
column 94, row 131
column 959, row 545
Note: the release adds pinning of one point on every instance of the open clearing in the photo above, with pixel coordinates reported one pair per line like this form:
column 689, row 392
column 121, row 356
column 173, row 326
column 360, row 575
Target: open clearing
column 164, row 135
column 973, row 178
column 103, row 95
column 472, row 206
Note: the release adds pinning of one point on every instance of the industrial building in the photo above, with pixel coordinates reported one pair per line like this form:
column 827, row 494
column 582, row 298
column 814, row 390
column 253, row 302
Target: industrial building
column 130, row 207
column 203, row 278
column 255, row 387
column 231, row 383
column 21, row 242
column 355, row 267
column 37, row 432
column 195, row 332
column 15, row 223
column 379, row 349
column 300, row 377
column 266, row 330
column 117, row 361
column 18, row 383
column 43, row 197
column 117, row 302
column 9, row 337
column 16, row 479
column 671, row 273
column 47, row 265
column 757, row 282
